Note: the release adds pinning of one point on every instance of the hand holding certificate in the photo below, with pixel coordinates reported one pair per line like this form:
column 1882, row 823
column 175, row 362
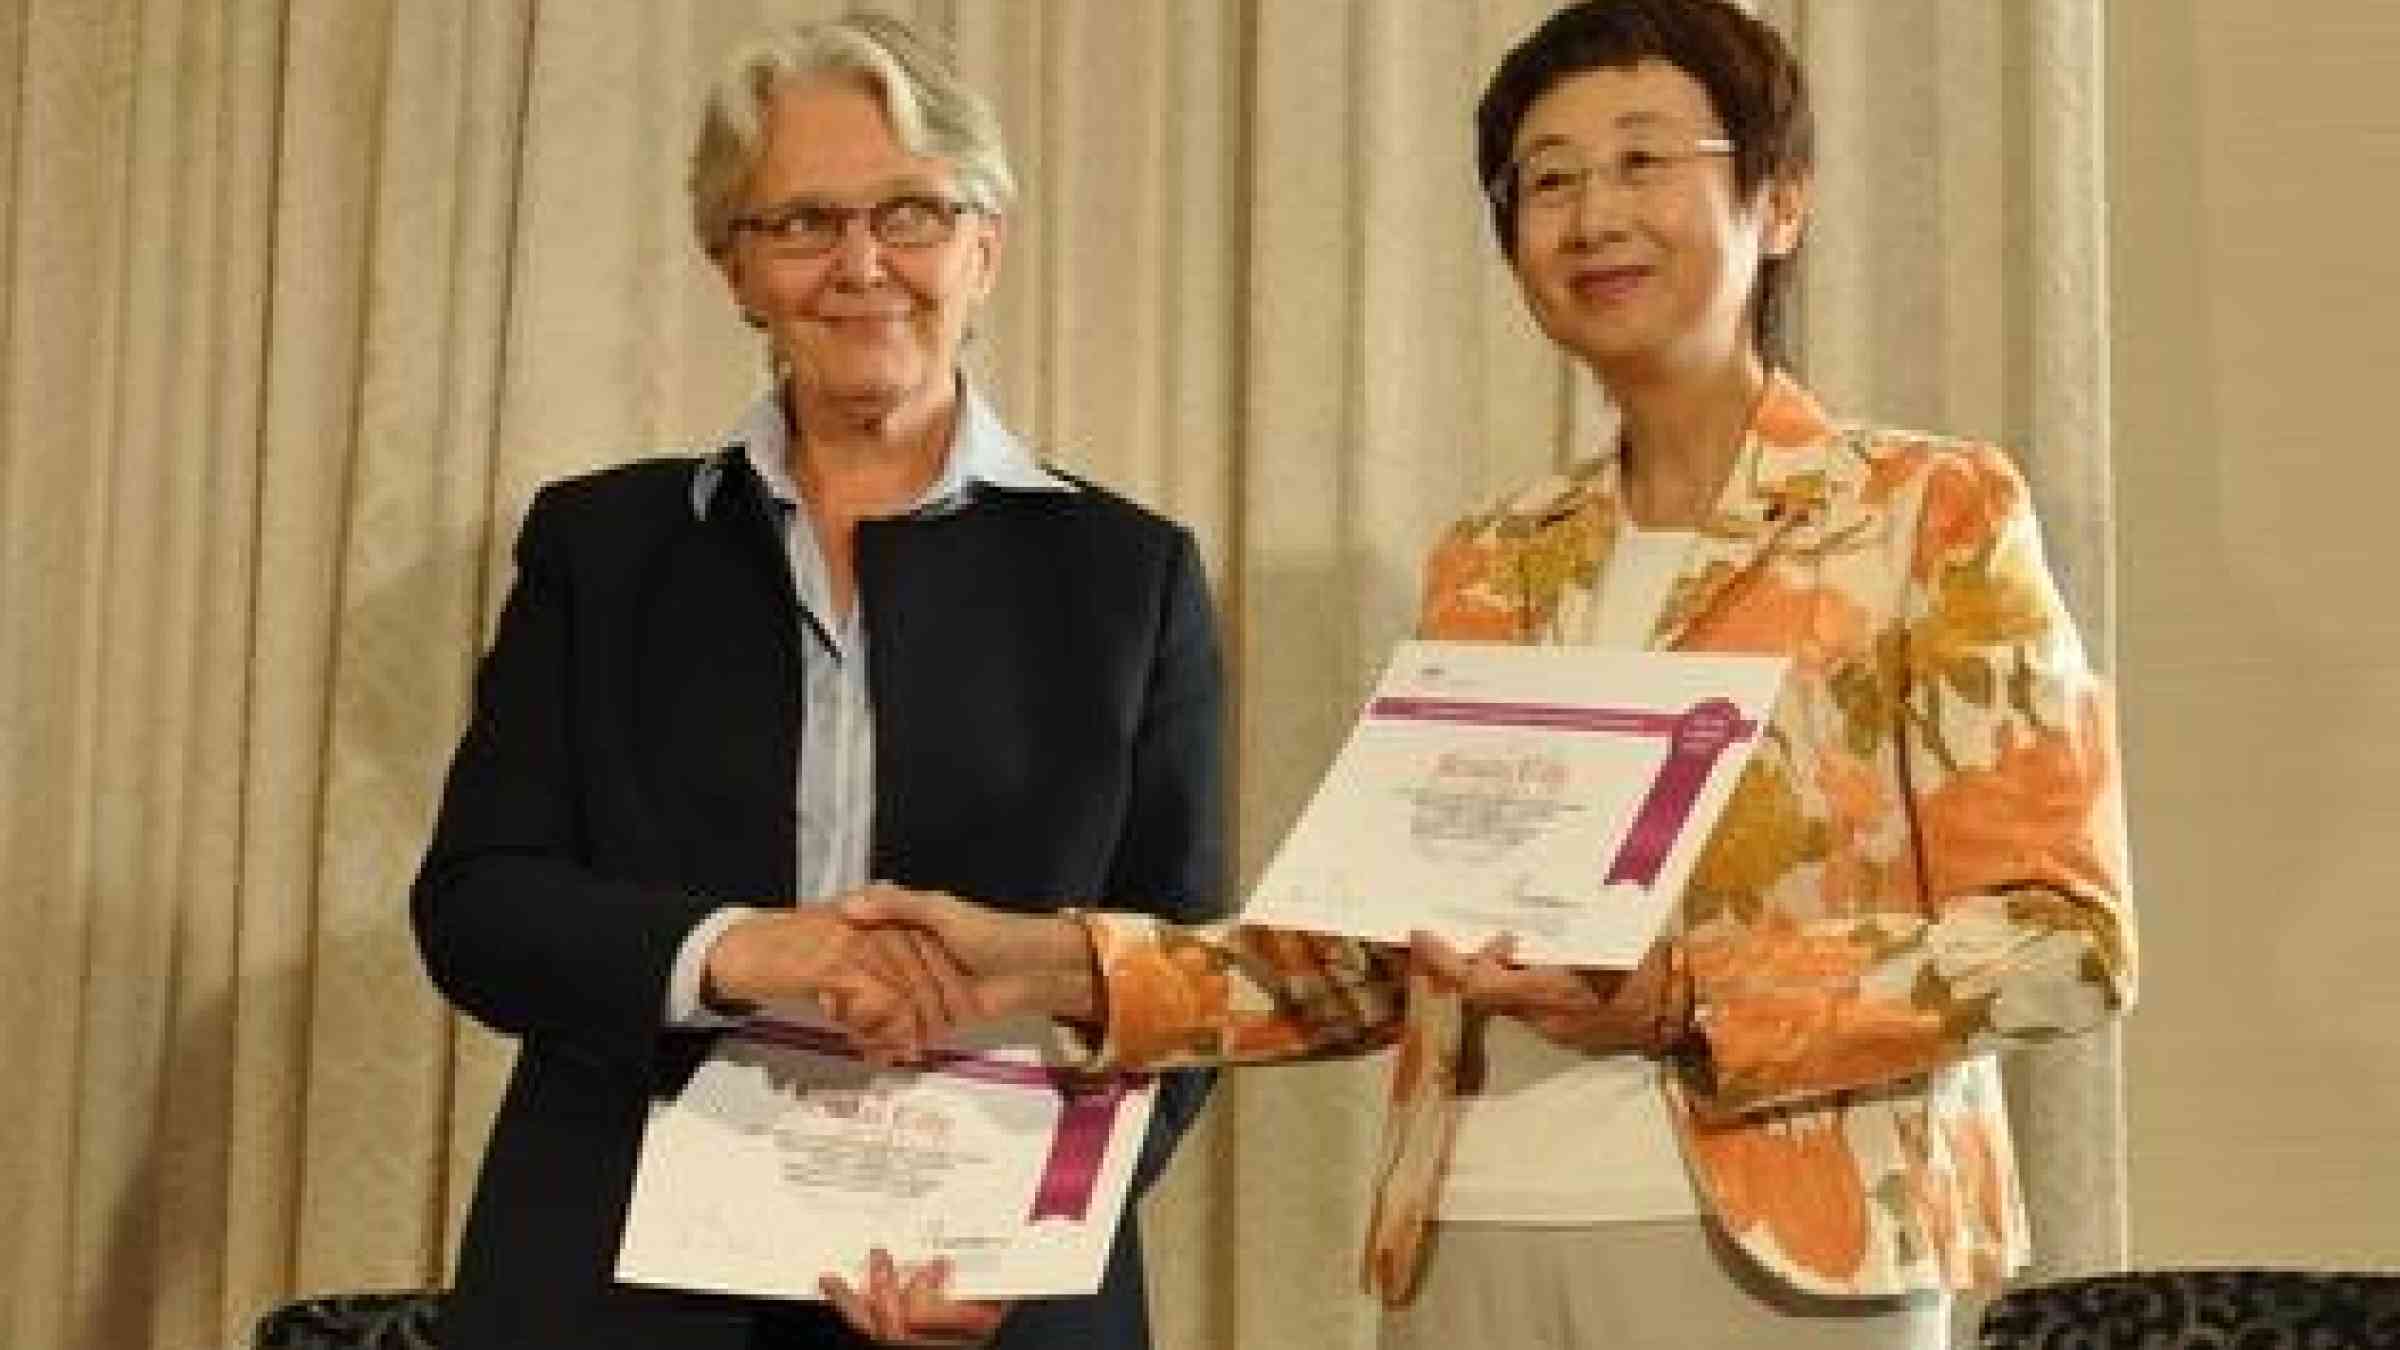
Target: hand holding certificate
column 1556, row 794
column 786, row 1156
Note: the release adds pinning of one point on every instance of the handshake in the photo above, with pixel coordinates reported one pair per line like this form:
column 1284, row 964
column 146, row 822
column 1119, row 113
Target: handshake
column 900, row 969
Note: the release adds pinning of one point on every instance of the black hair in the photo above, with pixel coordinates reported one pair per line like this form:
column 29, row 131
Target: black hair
column 1753, row 82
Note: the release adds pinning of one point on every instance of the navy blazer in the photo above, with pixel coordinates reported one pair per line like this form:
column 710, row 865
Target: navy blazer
column 1047, row 699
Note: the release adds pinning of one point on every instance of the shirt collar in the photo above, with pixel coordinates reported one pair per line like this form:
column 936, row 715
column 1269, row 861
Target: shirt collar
column 983, row 453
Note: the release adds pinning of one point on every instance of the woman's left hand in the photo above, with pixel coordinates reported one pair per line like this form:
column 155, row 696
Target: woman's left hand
column 1600, row 1012
column 911, row 1309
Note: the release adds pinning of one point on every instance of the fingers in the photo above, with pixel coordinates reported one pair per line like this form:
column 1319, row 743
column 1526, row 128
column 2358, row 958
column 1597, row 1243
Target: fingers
column 910, row 1307
column 939, row 995
column 945, row 919
column 878, row 973
column 931, row 1315
column 922, row 1290
column 922, row 979
column 884, row 1297
column 1641, row 986
column 807, row 954
column 1495, row 980
column 881, row 904
column 896, row 990
column 852, row 1304
column 1433, row 954
column 1489, row 977
column 1492, row 980
column 872, row 987
column 1599, row 1011
column 942, row 982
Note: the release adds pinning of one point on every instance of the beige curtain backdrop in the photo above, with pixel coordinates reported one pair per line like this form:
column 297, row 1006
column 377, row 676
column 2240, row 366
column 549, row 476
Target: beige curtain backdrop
column 302, row 298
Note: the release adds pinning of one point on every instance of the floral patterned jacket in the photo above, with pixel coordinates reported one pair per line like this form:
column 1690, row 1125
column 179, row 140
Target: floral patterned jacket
column 1924, row 862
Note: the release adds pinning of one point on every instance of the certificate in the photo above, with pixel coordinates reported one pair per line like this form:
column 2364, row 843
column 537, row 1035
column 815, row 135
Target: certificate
column 787, row 1157
column 1560, row 794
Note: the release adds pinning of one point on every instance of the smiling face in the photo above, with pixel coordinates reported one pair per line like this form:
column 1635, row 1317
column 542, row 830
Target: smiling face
column 1649, row 266
column 868, row 331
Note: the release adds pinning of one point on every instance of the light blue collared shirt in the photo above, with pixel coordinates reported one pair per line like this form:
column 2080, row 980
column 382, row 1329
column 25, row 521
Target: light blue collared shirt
column 835, row 798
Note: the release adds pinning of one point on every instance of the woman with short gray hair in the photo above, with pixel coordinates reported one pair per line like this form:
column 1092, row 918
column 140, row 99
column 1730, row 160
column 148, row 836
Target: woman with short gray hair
column 866, row 634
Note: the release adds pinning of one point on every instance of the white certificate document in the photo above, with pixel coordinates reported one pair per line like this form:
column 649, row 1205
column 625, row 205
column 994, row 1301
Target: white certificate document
column 786, row 1157
column 1560, row 794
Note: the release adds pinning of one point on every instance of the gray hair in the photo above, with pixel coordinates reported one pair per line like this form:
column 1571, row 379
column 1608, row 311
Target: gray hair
column 932, row 111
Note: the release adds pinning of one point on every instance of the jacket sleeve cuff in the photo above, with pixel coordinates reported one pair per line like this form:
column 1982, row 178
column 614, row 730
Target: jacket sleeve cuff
column 686, row 980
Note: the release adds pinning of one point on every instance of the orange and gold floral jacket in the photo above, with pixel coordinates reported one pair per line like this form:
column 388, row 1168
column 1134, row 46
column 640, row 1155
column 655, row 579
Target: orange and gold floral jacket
column 1923, row 864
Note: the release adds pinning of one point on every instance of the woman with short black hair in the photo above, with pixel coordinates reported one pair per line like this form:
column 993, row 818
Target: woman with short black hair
column 1785, row 1127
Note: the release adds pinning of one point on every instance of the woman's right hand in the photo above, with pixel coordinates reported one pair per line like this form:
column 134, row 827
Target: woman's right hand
column 1014, row 964
column 895, row 991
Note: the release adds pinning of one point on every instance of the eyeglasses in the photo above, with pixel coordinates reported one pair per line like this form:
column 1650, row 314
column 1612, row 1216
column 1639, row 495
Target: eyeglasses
column 1553, row 177
column 810, row 229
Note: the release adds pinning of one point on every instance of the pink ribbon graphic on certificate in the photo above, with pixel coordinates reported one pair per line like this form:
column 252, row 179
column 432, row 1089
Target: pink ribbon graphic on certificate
column 1695, row 738
column 1087, row 1111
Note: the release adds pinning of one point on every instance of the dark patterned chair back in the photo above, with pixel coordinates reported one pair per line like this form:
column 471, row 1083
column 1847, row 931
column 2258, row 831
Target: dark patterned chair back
column 2199, row 1310
column 398, row 1320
